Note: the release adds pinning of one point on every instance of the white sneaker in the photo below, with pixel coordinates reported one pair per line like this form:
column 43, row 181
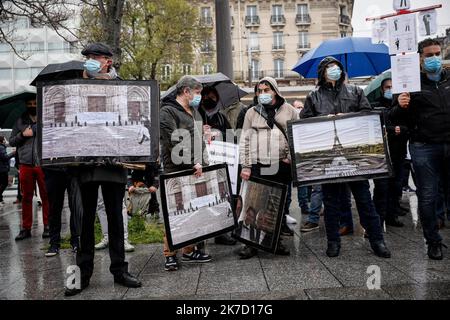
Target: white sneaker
column 290, row 220
column 102, row 244
column 128, row 246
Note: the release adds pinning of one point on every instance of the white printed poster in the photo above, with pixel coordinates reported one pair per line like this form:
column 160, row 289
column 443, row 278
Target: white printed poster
column 225, row 152
column 405, row 73
column 380, row 31
column 402, row 34
column 401, row 5
column 427, row 23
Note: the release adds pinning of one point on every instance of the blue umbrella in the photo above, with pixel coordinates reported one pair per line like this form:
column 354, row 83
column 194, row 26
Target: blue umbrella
column 358, row 56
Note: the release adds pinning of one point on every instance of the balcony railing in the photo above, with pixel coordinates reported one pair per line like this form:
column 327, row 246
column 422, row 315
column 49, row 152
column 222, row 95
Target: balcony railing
column 277, row 20
column 259, row 74
column 206, row 48
column 344, row 19
column 253, row 48
column 276, row 47
column 304, row 46
column 206, row 21
column 303, row 19
column 252, row 21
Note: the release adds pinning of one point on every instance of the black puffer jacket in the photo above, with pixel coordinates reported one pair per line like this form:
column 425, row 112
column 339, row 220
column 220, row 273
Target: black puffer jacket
column 26, row 146
column 428, row 114
column 4, row 159
column 172, row 116
column 326, row 99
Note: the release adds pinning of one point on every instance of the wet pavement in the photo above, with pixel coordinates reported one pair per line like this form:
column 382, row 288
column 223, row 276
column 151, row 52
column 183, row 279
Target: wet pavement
column 25, row 273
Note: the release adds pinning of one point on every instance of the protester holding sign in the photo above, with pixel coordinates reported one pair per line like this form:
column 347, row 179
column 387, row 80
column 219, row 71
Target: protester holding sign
column 334, row 97
column 427, row 115
column 264, row 147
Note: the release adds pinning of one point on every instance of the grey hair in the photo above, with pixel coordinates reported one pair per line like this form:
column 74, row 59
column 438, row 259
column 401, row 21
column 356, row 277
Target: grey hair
column 187, row 82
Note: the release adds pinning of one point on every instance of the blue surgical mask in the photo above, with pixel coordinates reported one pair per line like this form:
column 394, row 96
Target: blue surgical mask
column 432, row 64
column 388, row 94
column 195, row 102
column 265, row 98
column 334, row 73
column 92, row 66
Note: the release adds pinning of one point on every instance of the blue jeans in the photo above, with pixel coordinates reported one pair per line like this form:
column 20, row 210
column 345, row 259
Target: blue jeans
column 316, row 204
column 302, row 197
column 431, row 162
column 370, row 220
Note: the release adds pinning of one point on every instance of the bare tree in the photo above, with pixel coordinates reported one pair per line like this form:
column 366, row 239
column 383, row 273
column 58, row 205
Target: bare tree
column 54, row 14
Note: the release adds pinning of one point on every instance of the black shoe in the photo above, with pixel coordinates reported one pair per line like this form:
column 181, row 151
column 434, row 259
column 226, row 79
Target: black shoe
column 435, row 250
column 71, row 292
column 247, row 252
column 171, row 264
column 380, row 249
column 46, row 233
column 394, row 222
column 52, row 251
column 286, row 231
column 225, row 240
column 127, row 280
column 196, row 257
column 23, row 234
column 282, row 250
column 333, row 249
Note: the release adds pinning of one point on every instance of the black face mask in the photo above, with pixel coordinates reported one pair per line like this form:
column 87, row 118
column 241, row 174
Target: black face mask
column 31, row 111
column 209, row 104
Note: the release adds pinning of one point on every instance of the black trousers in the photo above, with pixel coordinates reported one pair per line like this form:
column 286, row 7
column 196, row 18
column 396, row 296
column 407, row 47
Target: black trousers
column 3, row 183
column 113, row 194
column 57, row 182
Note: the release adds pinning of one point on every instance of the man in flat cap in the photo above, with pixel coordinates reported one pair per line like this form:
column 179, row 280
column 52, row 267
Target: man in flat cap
column 99, row 62
column 112, row 179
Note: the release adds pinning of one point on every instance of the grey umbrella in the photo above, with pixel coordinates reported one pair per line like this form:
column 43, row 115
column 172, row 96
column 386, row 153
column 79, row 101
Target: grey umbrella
column 229, row 92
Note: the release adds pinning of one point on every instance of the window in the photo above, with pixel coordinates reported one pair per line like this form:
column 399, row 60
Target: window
column 37, row 47
column 166, row 71
column 302, row 9
column 21, row 23
column 187, row 69
column 278, row 40
column 59, row 47
column 303, row 41
column 277, row 10
column 206, row 46
column 4, row 48
column 207, row 68
column 343, row 10
column 97, row 104
column 343, row 34
column 205, row 16
column 254, row 41
column 22, row 74
column 278, row 66
column 252, row 11
column 5, row 74
column 255, row 69
column 22, row 47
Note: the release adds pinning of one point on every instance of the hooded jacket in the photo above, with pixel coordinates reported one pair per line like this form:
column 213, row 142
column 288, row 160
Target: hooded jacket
column 428, row 114
column 326, row 99
column 26, row 146
column 173, row 116
column 259, row 142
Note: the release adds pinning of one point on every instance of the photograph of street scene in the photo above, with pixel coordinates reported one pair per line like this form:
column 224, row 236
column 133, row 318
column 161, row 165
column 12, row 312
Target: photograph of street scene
column 259, row 210
column 81, row 120
column 198, row 206
column 339, row 148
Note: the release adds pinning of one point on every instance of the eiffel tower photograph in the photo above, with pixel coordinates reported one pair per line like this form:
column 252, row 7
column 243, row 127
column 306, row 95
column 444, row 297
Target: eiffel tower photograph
column 339, row 148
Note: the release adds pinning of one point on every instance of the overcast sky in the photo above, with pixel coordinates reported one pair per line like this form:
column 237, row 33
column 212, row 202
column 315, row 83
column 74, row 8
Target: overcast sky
column 371, row 8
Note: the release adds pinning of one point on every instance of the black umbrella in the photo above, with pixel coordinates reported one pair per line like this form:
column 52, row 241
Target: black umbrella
column 12, row 107
column 60, row 71
column 229, row 92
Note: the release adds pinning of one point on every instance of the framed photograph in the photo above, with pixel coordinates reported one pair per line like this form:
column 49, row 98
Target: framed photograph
column 97, row 121
column 225, row 152
column 196, row 209
column 342, row 148
column 259, row 208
